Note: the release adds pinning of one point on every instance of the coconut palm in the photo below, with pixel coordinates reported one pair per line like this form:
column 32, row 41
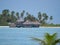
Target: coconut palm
column 5, row 12
column 22, row 13
column 48, row 39
column 39, row 16
column 45, row 17
column 51, row 18
column 30, row 17
column 17, row 14
column 13, row 18
column 12, row 15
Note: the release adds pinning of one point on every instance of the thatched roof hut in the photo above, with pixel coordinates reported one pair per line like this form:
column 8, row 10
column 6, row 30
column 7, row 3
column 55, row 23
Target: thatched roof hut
column 27, row 23
column 31, row 23
column 12, row 25
column 20, row 20
column 19, row 23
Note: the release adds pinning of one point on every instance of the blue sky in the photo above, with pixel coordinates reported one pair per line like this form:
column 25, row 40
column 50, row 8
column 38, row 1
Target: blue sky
column 51, row 7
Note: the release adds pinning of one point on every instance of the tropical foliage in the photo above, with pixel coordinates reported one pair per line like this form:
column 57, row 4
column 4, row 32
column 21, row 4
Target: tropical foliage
column 11, row 16
column 48, row 39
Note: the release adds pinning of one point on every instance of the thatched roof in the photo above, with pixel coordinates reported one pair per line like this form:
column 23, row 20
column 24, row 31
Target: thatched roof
column 20, row 20
column 12, row 25
column 31, row 22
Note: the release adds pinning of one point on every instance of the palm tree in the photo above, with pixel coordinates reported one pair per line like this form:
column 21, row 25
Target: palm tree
column 13, row 18
column 45, row 18
column 39, row 16
column 30, row 17
column 5, row 12
column 22, row 13
column 17, row 14
column 48, row 39
column 12, row 13
column 51, row 18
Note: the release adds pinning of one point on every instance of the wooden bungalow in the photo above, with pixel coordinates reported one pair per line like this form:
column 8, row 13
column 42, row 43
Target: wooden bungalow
column 31, row 23
column 19, row 23
column 27, row 23
column 12, row 25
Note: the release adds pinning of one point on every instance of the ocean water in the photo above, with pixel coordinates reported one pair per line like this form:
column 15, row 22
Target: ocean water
column 21, row 36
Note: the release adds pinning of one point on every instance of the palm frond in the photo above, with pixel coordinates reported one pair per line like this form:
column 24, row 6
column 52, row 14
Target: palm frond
column 54, row 35
column 39, row 40
column 57, row 41
column 36, row 39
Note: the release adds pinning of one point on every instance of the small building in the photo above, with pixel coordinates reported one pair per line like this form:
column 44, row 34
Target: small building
column 12, row 25
column 31, row 23
column 19, row 23
column 27, row 23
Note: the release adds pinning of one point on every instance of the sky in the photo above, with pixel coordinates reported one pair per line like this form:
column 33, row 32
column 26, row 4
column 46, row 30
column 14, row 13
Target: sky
column 51, row 7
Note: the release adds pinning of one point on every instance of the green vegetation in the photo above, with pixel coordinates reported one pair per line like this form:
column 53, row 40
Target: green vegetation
column 8, row 16
column 48, row 39
column 50, row 25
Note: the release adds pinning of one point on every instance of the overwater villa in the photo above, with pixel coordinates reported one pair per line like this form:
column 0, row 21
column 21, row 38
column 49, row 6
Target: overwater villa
column 27, row 23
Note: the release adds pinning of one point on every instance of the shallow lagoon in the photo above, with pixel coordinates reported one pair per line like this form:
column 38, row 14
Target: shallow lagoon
column 21, row 36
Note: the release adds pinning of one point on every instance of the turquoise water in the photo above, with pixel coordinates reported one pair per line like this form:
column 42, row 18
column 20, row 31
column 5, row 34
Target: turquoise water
column 21, row 36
